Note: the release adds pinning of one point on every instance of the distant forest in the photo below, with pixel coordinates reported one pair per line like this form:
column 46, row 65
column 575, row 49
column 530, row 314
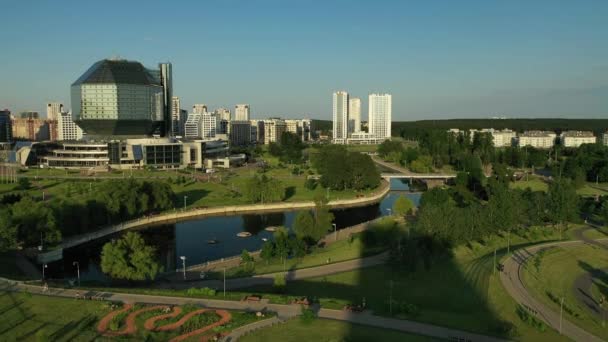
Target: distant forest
column 412, row 129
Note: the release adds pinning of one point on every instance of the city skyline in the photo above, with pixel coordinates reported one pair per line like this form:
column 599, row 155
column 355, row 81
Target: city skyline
column 474, row 60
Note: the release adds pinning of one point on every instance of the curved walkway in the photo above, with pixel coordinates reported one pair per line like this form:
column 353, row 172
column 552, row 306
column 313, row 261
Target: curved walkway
column 374, row 197
column 512, row 280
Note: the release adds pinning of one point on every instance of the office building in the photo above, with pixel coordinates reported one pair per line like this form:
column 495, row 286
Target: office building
column 605, row 138
column 29, row 115
column 300, row 127
column 67, row 130
column 53, row 110
column 117, row 99
column 537, row 139
column 257, row 131
column 273, row 129
column 354, row 114
column 6, row 126
column 177, row 118
column 380, row 115
column 241, row 112
column 208, row 126
column 31, row 129
column 240, row 133
column 223, row 114
column 199, row 108
column 577, row 138
column 340, row 117
column 192, row 128
column 503, row 138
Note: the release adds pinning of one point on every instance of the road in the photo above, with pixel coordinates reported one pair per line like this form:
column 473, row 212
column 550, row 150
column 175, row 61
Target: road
column 512, row 280
column 268, row 279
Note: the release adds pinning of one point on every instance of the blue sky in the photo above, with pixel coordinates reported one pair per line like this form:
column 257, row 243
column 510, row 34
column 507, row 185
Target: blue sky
column 439, row 59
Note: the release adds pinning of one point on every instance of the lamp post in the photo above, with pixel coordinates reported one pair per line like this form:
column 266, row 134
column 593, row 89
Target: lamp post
column 43, row 267
column 183, row 265
column 75, row 263
column 389, row 210
column 224, row 281
column 335, row 232
column 185, row 199
column 43, row 196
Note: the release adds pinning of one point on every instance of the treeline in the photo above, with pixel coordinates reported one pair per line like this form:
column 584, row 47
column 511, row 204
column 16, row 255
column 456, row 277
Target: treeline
column 588, row 162
column 29, row 222
column 413, row 129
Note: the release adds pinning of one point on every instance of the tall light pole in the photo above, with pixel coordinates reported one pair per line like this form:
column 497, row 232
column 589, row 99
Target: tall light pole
column 224, row 282
column 561, row 306
column 75, row 263
column 43, row 196
column 185, row 199
column 183, row 265
column 335, row 232
column 389, row 211
column 43, row 267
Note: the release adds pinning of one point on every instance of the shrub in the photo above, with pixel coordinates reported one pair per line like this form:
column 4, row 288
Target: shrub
column 204, row 291
column 279, row 283
column 308, row 316
column 529, row 319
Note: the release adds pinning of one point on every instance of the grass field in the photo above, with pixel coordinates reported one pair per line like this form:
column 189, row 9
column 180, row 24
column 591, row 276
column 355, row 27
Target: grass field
column 534, row 183
column 341, row 250
column 26, row 317
column 322, row 330
column 458, row 291
column 220, row 189
column 552, row 273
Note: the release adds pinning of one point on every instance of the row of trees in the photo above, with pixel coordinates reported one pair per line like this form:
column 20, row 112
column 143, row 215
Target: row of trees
column 263, row 189
column 288, row 149
column 26, row 221
column 341, row 169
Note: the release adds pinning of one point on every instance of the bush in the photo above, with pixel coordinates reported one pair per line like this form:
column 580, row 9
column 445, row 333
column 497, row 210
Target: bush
column 204, row 291
column 308, row 316
column 310, row 184
column 529, row 319
column 279, row 283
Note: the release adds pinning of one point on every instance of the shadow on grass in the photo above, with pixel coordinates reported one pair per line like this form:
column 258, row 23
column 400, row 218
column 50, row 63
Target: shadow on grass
column 193, row 196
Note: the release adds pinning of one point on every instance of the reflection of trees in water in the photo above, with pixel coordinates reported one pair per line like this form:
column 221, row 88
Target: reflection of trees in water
column 353, row 216
column 256, row 223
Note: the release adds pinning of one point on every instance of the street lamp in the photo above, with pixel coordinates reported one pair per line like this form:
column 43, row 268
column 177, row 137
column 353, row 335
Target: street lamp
column 389, row 211
column 224, row 282
column 335, row 232
column 75, row 263
column 185, row 199
column 184, row 265
column 43, row 267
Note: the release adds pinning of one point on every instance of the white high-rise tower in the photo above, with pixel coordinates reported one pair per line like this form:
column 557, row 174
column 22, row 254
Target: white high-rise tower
column 354, row 115
column 340, row 117
column 241, row 112
column 199, row 108
column 53, row 110
column 380, row 115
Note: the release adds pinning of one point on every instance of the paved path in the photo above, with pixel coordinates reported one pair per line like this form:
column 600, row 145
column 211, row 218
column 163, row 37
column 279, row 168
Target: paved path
column 512, row 280
column 284, row 312
column 268, row 279
column 367, row 318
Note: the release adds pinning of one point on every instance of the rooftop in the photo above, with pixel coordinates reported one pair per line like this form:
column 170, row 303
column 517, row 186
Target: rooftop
column 117, row 71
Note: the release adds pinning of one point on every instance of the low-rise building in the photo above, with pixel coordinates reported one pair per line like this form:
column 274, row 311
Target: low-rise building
column 577, row 138
column 537, row 139
column 605, row 138
column 364, row 138
column 503, row 138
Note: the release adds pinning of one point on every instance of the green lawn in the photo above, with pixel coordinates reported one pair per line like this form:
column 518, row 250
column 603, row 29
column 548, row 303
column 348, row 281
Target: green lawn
column 458, row 291
column 591, row 189
column 552, row 275
column 322, row 330
column 341, row 250
column 26, row 317
column 534, row 183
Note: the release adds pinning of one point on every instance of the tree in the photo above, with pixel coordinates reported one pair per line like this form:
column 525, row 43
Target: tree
column 403, row 206
column 297, row 246
column 8, row 232
column 262, row 189
column 267, row 252
column 129, row 258
column 604, row 212
column 24, row 183
column 281, row 243
column 562, row 201
column 304, row 226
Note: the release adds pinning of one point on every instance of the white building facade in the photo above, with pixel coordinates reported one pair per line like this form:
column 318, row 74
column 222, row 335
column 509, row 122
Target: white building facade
column 537, row 139
column 241, row 112
column 67, row 130
column 53, row 110
column 380, row 115
column 577, row 138
column 354, row 114
column 340, row 117
column 199, row 108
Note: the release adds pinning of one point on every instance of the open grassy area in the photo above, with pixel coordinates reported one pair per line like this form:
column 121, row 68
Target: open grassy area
column 592, row 189
column 459, row 291
column 328, row 330
column 26, row 317
column 551, row 276
column 534, row 183
column 341, row 250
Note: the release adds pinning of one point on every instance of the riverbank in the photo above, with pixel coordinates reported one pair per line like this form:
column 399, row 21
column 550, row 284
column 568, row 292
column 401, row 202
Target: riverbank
column 176, row 216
